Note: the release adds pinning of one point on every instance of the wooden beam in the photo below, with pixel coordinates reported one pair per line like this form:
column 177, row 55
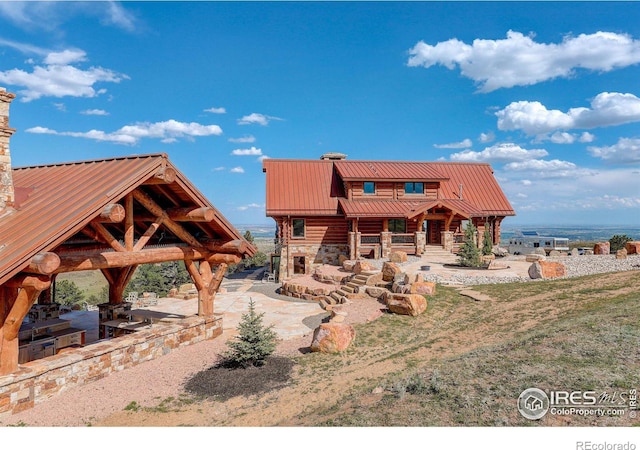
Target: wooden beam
column 195, row 275
column 217, row 279
column 113, row 213
column 108, row 237
column 129, row 226
column 97, row 259
column 142, row 241
column 177, row 229
column 238, row 246
column 44, row 263
column 203, row 214
column 205, row 299
column 164, row 175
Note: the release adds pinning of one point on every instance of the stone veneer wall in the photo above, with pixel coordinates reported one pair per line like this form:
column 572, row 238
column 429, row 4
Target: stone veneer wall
column 6, row 183
column 314, row 255
column 39, row 380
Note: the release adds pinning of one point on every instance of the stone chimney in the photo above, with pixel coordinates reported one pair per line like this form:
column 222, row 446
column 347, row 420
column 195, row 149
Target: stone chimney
column 7, row 197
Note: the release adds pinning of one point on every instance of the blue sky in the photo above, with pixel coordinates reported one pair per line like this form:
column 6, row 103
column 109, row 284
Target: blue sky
column 547, row 92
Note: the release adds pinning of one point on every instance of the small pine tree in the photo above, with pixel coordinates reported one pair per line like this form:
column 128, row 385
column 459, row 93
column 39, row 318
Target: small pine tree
column 469, row 254
column 618, row 242
column 253, row 343
column 487, row 243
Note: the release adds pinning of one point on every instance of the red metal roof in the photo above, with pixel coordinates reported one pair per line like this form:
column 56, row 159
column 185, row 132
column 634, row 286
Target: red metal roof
column 388, row 170
column 54, row 202
column 377, row 208
column 309, row 187
column 314, row 187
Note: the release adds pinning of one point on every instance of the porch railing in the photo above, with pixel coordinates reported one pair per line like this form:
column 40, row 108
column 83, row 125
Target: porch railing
column 368, row 239
column 403, row 238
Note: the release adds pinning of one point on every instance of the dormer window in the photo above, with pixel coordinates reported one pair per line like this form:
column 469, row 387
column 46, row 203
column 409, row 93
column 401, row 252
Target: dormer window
column 411, row 187
column 369, row 187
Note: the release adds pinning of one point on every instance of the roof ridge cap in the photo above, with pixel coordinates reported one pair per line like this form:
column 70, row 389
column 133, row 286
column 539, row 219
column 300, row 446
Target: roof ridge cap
column 96, row 160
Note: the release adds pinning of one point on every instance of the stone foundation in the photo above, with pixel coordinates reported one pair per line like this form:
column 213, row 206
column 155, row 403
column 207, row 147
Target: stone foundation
column 39, row 380
column 314, row 257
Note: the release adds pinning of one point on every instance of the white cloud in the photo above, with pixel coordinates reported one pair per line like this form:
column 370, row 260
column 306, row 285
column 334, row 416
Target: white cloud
column 65, row 57
column 216, row 110
column 626, row 150
column 116, row 14
column 462, row 144
column 499, row 153
column 487, row 137
column 168, row 131
column 526, row 182
column 586, row 137
column 243, row 140
column 263, row 157
column 60, row 107
column 520, row 61
column 94, row 112
column 256, row 118
column 57, row 78
column 250, row 206
column 554, row 167
column 218, row 169
column 237, row 170
column 607, row 109
column 247, row 151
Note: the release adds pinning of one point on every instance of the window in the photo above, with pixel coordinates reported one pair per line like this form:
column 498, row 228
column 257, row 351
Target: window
column 298, row 228
column 397, row 225
column 369, row 187
column 411, row 187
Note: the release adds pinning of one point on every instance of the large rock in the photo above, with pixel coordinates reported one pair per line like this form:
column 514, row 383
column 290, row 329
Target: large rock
column 423, row 288
column 406, row 304
column 497, row 265
column 410, row 278
column 632, row 247
column 362, row 266
column 332, row 337
column 389, row 271
column 376, row 292
column 621, row 254
column 348, row 264
column 534, row 257
column 539, row 251
column 602, row 248
column 546, row 269
column 574, row 252
column 398, row 257
column 499, row 251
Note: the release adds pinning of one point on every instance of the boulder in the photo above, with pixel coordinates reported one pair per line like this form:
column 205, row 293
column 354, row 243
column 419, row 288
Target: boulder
column 632, row 247
column 546, row 269
column 621, row 254
column 499, row 251
column 497, row 265
column 389, row 271
column 362, row 266
column 342, row 259
column 423, row 288
column 374, row 279
column 534, row 257
column 398, row 257
column 348, row 264
column 332, row 337
column 602, row 248
column 410, row 278
column 406, row 304
column 554, row 253
column 376, row 292
column 539, row 251
column 574, row 252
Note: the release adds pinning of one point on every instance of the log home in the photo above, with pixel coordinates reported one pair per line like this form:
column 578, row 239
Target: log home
column 109, row 215
column 333, row 206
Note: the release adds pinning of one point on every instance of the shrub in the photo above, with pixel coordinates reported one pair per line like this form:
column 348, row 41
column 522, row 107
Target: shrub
column 487, row 243
column 618, row 242
column 253, row 344
column 469, row 254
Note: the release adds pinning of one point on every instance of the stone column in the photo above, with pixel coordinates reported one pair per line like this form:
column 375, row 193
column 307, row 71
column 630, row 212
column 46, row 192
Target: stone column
column 421, row 242
column 7, row 196
column 385, row 244
column 354, row 244
column 446, row 237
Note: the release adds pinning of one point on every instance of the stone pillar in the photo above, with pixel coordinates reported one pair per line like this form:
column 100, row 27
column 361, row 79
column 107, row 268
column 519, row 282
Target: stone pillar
column 7, row 196
column 354, row 244
column 385, row 244
column 421, row 242
column 446, row 237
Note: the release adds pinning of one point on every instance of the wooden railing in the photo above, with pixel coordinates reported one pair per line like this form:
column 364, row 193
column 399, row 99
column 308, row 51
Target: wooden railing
column 403, row 238
column 368, row 239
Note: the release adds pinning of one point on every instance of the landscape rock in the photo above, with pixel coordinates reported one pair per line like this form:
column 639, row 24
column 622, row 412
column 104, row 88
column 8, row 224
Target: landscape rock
column 374, row 279
column 602, row 248
column 499, row 251
column 632, row 247
column 332, row 337
column 497, row 265
column 389, row 271
column 575, row 252
column 621, row 254
column 546, row 269
column 348, row 264
column 554, row 253
column 534, row 257
column 398, row 257
column 342, row 259
column 376, row 292
column 406, row 304
column 410, row 278
column 423, row 288
column 539, row 251
column 362, row 266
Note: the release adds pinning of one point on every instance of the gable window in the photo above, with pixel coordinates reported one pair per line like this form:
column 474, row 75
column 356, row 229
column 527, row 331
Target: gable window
column 369, row 187
column 397, row 225
column 411, row 187
column 297, row 228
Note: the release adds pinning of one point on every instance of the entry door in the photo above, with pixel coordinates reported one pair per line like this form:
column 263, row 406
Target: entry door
column 434, row 228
